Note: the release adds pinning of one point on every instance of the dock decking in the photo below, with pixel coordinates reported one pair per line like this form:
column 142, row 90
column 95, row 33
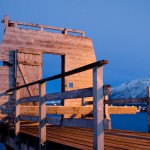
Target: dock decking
column 64, row 138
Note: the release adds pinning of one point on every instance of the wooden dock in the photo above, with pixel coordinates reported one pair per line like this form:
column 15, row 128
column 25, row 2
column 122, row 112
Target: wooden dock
column 84, row 111
column 70, row 138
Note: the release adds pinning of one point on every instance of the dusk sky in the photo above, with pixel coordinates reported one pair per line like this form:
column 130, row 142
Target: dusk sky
column 119, row 29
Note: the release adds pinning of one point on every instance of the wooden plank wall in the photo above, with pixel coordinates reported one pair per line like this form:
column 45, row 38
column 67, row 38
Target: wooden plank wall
column 29, row 69
column 7, row 76
column 78, row 51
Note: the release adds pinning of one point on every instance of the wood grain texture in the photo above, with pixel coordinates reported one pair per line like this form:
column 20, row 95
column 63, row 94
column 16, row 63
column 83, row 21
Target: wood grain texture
column 98, row 112
column 42, row 115
column 78, row 51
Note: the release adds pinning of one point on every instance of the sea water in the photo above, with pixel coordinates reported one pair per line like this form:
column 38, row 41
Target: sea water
column 134, row 122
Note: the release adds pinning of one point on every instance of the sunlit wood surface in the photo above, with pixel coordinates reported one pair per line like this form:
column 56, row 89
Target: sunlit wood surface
column 82, row 138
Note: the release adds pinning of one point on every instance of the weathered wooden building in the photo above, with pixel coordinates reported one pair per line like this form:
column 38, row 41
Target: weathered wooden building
column 21, row 52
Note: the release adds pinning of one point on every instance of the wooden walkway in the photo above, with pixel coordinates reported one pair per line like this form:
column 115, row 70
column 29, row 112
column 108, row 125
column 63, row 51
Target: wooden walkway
column 82, row 138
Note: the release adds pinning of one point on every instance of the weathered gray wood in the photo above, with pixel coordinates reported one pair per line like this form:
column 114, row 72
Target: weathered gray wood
column 17, row 114
column 84, row 123
column 29, row 99
column 29, row 118
column 42, row 115
column 98, row 113
column 71, row 72
column 81, row 93
column 17, row 121
column 22, row 72
column 39, row 26
column 107, row 121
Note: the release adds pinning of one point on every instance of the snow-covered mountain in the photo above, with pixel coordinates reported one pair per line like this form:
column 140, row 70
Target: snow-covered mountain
column 132, row 89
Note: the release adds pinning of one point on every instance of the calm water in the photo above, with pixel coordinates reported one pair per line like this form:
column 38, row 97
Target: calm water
column 137, row 122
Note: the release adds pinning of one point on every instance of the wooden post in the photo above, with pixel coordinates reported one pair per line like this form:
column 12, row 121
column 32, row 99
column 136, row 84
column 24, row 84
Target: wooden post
column 107, row 120
column 148, row 108
column 98, row 106
column 42, row 116
column 17, row 120
column 5, row 22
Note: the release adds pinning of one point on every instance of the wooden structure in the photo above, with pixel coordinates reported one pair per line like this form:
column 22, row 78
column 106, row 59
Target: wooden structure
column 26, row 47
column 21, row 52
column 23, row 94
column 73, row 138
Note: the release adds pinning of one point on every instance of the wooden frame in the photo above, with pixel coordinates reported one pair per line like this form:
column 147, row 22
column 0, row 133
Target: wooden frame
column 96, row 92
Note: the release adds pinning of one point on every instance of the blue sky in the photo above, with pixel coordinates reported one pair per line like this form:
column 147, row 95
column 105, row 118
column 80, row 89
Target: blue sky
column 119, row 29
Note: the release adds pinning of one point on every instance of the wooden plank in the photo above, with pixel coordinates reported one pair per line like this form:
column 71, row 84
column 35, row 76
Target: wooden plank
column 29, row 51
column 98, row 114
column 17, row 113
column 29, row 63
column 84, row 123
column 22, row 72
column 81, row 93
column 107, row 119
column 43, row 26
column 29, row 118
column 5, row 70
column 29, row 99
column 122, row 110
column 42, row 115
column 72, row 110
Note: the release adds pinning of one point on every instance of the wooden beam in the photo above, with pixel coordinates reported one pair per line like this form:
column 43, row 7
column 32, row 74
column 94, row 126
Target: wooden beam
column 29, row 99
column 122, row 110
column 29, row 118
column 72, row 110
column 29, row 63
column 17, row 121
column 40, row 26
column 17, row 114
column 98, row 114
column 107, row 121
column 81, row 93
column 42, row 115
column 83, row 123
column 6, row 19
column 81, row 69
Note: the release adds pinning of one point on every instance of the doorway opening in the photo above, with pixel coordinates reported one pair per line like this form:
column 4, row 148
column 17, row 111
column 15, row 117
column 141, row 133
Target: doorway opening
column 52, row 65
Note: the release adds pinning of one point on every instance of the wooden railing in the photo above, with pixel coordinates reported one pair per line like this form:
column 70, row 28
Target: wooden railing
column 41, row 27
column 96, row 92
column 145, row 100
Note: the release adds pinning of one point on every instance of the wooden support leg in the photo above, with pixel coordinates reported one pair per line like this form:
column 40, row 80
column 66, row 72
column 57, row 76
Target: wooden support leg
column 148, row 108
column 98, row 108
column 17, row 121
column 42, row 117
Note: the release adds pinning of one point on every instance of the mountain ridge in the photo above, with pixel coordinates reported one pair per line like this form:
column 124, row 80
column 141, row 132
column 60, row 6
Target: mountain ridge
column 132, row 89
